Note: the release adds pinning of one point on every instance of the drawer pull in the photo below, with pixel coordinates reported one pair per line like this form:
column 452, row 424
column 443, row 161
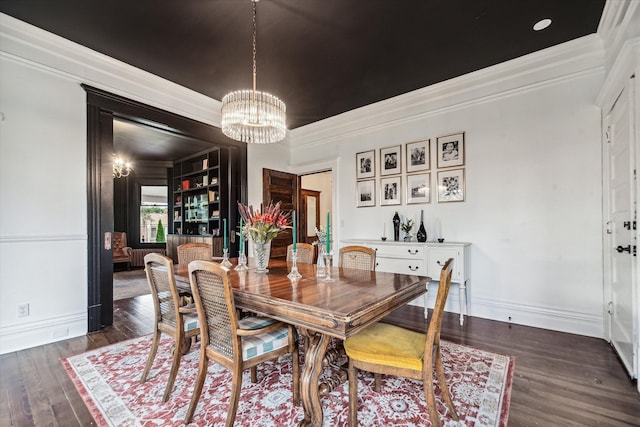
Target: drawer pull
column 415, row 251
column 414, row 268
column 440, row 264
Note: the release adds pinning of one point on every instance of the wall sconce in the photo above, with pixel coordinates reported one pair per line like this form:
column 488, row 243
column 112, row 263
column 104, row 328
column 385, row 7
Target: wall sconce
column 121, row 168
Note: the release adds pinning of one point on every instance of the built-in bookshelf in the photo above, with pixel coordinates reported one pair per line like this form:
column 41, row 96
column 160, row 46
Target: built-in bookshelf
column 197, row 196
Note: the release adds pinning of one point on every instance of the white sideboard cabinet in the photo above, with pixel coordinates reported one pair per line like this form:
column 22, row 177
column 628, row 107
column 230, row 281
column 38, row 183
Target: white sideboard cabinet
column 423, row 259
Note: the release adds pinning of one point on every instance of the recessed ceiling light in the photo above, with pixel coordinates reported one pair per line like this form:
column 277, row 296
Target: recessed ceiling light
column 542, row 24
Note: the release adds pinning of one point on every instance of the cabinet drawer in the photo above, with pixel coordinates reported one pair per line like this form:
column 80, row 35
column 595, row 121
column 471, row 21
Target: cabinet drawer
column 403, row 266
column 437, row 258
column 400, row 251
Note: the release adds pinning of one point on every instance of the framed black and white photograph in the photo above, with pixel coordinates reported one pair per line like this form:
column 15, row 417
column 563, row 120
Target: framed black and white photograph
column 451, row 150
column 366, row 164
column 418, row 156
column 390, row 161
column 390, row 191
column 451, row 185
column 366, row 193
column 419, row 188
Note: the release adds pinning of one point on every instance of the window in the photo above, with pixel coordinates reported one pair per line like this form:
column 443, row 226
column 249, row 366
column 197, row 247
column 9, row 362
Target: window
column 153, row 213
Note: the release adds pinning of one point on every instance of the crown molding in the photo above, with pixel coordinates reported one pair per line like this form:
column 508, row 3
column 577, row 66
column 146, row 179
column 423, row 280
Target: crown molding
column 567, row 60
column 30, row 45
column 626, row 64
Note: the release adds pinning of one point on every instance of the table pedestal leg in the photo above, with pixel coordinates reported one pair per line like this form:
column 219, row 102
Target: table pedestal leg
column 310, row 375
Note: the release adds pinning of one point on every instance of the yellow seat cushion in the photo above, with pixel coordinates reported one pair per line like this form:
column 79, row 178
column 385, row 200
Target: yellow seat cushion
column 388, row 345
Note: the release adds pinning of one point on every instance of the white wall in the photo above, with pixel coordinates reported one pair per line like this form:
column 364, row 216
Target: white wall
column 533, row 192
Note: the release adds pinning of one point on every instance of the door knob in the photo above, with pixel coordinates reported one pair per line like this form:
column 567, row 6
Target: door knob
column 621, row 249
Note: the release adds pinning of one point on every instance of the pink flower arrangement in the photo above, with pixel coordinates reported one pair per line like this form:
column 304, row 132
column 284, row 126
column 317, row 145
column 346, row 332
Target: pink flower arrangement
column 265, row 224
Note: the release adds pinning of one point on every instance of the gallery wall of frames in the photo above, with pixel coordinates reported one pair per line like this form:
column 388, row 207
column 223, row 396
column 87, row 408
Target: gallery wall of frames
column 380, row 178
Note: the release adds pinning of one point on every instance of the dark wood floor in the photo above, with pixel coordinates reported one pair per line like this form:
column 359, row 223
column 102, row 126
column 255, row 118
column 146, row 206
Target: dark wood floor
column 560, row 379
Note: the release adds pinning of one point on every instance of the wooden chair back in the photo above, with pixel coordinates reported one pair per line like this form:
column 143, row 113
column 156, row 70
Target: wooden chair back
column 306, row 253
column 164, row 292
column 194, row 251
column 358, row 257
column 213, row 298
column 435, row 323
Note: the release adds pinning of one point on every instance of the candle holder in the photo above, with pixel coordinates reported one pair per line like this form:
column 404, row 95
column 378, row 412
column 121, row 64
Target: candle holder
column 320, row 263
column 328, row 261
column 294, row 274
column 225, row 259
column 242, row 262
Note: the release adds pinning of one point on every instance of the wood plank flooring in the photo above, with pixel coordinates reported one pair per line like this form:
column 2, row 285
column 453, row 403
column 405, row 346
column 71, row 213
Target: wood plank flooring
column 560, row 379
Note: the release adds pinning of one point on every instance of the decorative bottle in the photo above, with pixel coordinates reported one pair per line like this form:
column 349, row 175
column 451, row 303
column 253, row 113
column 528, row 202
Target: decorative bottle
column 396, row 227
column 421, row 235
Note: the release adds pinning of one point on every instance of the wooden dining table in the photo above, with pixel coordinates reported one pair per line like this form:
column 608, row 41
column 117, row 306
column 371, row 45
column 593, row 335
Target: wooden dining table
column 319, row 309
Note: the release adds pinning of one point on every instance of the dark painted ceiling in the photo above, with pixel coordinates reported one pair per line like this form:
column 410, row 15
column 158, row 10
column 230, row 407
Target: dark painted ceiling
column 321, row 57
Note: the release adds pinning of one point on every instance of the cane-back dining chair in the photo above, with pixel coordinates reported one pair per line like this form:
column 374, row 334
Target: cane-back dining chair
column 188, row 252
column 359, row 257
column 305, row 253
column 387, row 349
column 236, row 344
column 170, row 318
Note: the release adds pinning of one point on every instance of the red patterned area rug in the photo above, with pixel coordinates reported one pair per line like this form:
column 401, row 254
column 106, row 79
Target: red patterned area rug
column 108, row 380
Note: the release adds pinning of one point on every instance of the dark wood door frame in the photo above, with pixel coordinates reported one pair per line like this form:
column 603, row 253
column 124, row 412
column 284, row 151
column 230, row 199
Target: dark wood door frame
column 101, row 108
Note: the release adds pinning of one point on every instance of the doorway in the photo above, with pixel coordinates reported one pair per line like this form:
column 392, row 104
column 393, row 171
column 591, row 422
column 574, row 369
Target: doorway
column 620, row 245
column 309, row 195
column 102, row 107
column 316, row 200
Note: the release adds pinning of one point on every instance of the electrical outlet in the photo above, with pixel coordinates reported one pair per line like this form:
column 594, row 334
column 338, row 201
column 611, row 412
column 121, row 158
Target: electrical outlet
column 23, row 310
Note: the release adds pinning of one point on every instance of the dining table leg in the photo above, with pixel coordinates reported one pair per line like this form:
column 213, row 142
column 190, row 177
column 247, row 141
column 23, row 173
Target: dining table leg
column 310, row 375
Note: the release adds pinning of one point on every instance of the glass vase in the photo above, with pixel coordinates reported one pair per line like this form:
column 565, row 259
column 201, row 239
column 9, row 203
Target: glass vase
column 261, row 254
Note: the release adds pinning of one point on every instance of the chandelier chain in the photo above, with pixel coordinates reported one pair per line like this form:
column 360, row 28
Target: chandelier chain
column 255, row 30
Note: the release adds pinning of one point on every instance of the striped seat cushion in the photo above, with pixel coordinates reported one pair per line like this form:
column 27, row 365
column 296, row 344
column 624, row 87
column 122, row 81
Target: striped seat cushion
column 257, row 345
column 255, row 322
column 190, row 321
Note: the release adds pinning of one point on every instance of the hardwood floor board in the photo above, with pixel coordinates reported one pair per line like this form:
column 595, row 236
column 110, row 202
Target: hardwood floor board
column 69, row 408
column 37, row 390
column 14, row 405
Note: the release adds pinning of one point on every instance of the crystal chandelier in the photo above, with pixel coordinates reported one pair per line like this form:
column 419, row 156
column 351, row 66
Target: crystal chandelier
column 253, row 116
column 121, row 168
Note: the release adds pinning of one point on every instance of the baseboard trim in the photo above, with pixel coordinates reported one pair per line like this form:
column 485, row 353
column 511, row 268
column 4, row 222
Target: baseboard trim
column 540, row 317
column 524, row 314
column 45, row 331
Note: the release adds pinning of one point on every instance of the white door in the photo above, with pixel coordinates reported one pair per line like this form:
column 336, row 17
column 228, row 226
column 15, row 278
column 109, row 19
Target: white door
column 620, row 241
